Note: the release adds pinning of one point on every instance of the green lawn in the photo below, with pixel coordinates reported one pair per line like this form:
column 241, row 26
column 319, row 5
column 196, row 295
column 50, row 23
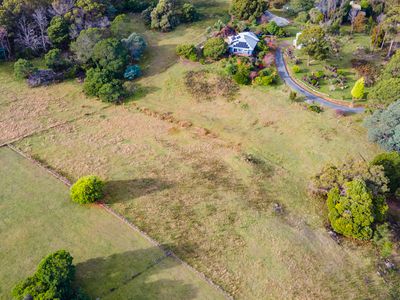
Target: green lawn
column 38, row 218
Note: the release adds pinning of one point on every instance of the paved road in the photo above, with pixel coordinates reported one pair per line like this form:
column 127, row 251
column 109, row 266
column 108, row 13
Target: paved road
column 283, row 73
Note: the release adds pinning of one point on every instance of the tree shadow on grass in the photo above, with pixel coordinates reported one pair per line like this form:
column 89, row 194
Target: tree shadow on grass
column 141, row 92
column 125, row 190
column 138, row 274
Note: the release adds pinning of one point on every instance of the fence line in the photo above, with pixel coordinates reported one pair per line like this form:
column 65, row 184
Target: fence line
column 107, row 208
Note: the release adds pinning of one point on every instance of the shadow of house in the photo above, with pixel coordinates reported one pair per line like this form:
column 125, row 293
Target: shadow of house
column 125, row 190
column 138, row 274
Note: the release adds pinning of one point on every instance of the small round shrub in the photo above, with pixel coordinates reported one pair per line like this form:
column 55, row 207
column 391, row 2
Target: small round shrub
column 23, row 68
column 296, row 69
column 87, row 189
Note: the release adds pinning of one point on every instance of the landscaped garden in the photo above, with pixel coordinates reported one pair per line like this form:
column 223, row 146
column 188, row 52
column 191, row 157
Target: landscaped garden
column 208, row 153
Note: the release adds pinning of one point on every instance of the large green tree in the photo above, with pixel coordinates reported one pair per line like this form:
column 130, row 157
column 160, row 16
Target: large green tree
column 58, row 32
column 314, row 42
column 84, row 44
column 384, row 127
column 164, row 16
column 111, row 55
column 248, row 9
column 354, row 211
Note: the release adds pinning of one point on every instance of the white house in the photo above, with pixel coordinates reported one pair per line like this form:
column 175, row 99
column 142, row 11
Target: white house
column 243, row 43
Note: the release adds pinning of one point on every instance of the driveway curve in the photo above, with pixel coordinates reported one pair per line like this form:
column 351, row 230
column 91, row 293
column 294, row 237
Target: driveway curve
column 284, row 74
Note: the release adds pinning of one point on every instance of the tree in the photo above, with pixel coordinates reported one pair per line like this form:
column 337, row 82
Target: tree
column 26, row 36
column 215, row 48
column 359, row 23
column 242, row 75
column 390, row 162
column 54, row 60
column 135, row 44
column 187, row 51
column 273, row 29
column 332, row 176
column 23, row 68
column 391, row 25
column 146, row 15
column 392, row 69
column 163, row 16
column 84, row 44
column 132, row 72
column 52, row 279
column 5, row 42
column 314, row 42
column 316, row 16
column 40, row 18
column 137, row 6
column 301, row 5
column 120, row 26
column 102, row 84
column 358, row 90
column 189, row 13
column 354, row 212
column 87, row 189
column 110, row 54
column 248, row 9
column 61, row 7
column 384, row 127
column 384, row 93
column 59, row 32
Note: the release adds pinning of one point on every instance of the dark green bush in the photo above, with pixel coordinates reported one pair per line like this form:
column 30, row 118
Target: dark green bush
column 315, row 108
column 58, row 32
column 54, row 60
column 215, row 48
column 242, row 76
column 23, row 68
column 390, row 162
column 87, row 189
column 100, row 83
column 52, row 280
column 187, row 51
column 189, row 13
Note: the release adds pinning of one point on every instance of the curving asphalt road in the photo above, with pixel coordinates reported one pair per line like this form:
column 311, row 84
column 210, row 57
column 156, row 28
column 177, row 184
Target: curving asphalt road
column 284, row 74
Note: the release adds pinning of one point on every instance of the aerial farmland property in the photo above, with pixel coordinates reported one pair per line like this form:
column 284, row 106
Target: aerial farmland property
column 199, row 149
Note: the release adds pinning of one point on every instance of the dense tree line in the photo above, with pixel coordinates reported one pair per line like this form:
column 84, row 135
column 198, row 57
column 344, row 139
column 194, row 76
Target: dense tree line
column 84, row 37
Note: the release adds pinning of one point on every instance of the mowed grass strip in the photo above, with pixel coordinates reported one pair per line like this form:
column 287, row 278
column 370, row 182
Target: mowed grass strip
column 113, row 261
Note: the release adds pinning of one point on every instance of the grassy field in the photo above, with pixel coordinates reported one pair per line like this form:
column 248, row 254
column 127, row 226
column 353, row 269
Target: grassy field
column 199, row 193
column 37, row 218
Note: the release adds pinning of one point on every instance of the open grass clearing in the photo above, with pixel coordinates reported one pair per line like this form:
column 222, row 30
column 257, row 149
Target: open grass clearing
column 37, row 218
